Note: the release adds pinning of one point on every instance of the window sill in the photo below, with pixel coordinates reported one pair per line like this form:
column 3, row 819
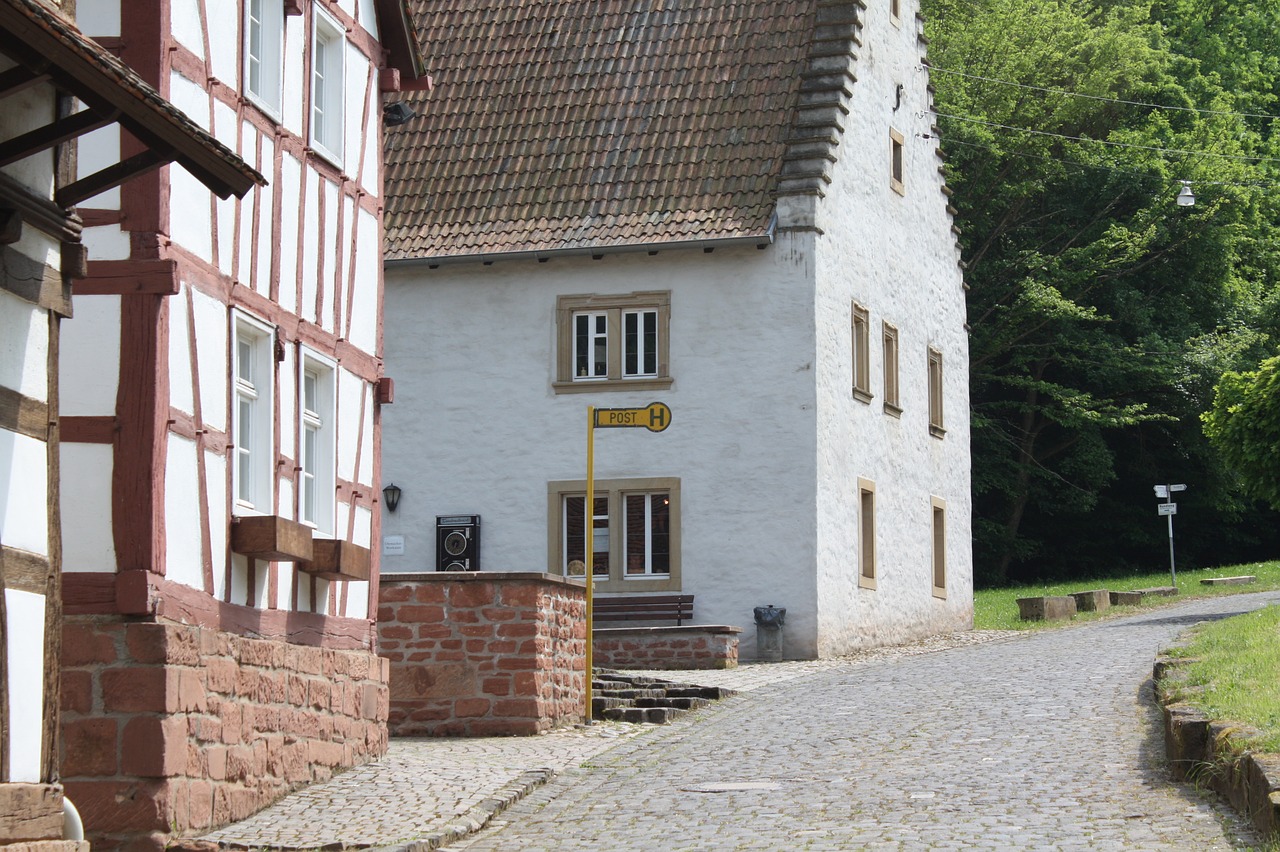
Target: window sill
column 862, row 395
column 638, row 584
column 893, row 410
column 865, row 582
column 609, row 385
column 937, row 431
column 940, row 594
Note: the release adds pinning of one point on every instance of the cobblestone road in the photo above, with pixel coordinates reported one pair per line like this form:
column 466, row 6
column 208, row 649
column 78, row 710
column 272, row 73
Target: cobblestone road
column 1044, row 741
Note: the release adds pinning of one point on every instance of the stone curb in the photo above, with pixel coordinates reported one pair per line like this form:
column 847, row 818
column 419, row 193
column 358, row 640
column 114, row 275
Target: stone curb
column 478, row 816
column 1211, row 753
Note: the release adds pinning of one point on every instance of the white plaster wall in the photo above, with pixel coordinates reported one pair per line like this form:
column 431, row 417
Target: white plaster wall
column 336, row 252
column 246, row 272
column 183, row 560
column 26, row 110
column 106, row 242
column 87, row 542
column 185, row 22
column 476, row 426
column 24, row 347
column 215, row 480
column 350, row 389
column 212, row 354
column 98, row 17
column 310, row 245
column 181, row 389
column 25, row 619
column 290, row 189
column 896, row 255
column 95, row 151
column 295, row 51
column 365, row 307
column 224, row 42
column 24, row 493
column 226, row 127
column 367, row 17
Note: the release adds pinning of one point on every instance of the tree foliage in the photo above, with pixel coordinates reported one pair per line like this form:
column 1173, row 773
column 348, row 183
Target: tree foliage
column 1244, row 424
column 1101, row 313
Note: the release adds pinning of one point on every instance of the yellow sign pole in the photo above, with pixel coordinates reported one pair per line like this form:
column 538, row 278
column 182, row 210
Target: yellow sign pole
column 589, row 513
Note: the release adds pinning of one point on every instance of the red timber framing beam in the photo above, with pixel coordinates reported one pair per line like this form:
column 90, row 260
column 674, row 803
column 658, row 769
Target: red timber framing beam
column 148, row 595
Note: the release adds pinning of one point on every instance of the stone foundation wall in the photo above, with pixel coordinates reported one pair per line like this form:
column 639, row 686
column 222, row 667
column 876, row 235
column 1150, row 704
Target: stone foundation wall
column 684, row 647
column 483, row 653
column 170, row 730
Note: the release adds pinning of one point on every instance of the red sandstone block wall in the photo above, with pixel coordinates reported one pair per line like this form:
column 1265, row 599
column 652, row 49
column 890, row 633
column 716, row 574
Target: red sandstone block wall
column 665, row 648
column 483, row 654
column 171, row 729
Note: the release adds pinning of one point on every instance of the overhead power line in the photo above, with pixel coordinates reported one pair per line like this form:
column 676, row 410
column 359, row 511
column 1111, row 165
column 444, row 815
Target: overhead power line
column 1237, row 157
column 933, row 69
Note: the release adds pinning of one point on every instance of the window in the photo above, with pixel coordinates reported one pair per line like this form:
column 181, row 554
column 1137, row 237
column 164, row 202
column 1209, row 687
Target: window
column 316, row 482
column 613, row 342
column 895, row 11
column 892, row 404
column 263, row 53
column 252, row 430
column 939, row 546
column 328, row 49
column 896, row 170
column 635, row 533
column 935, row 394
column 861, row 356
column 866, row 533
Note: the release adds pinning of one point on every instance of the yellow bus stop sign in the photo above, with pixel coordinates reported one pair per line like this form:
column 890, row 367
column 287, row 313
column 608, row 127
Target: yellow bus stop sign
column 655, row 417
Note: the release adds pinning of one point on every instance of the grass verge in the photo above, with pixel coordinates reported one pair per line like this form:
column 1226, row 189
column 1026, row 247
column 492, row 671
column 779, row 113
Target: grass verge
column 1231, row 674
column 997, row 609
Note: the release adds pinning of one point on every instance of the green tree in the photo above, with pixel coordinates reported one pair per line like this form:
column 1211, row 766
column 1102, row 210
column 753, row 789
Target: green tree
column 1101, row 312
column 1244, row 424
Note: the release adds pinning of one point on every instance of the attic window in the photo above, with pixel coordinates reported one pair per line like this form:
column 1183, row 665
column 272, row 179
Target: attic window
column 896, row 169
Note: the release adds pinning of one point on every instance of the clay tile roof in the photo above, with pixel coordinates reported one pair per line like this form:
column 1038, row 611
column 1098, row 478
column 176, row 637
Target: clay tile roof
column 572, row 124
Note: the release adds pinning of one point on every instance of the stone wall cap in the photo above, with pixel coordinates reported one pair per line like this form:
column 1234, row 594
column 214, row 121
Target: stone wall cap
column 671, row 628
column 479, row 577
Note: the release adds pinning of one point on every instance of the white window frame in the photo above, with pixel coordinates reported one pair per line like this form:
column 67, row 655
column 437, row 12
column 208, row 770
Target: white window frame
column 317, row 470
column 252, row 397
column 596, row 370
column 639, row 351
column 268, row 27
column 328, row 86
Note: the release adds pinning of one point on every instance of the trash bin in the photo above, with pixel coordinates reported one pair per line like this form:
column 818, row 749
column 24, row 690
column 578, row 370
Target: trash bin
column 769, row 621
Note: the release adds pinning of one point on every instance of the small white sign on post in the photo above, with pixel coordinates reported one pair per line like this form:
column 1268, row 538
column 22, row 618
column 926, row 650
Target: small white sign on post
column 1168, row 509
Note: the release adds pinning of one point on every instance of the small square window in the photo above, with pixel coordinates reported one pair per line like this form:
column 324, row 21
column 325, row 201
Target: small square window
column 897, row 168
column 635, row 533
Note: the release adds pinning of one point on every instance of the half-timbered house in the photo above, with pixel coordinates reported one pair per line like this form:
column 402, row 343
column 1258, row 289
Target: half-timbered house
column 220, row 422
column 56, row 86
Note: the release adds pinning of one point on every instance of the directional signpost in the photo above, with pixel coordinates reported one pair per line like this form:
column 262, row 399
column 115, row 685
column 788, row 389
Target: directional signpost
column 1168, row 509
column 655, row 417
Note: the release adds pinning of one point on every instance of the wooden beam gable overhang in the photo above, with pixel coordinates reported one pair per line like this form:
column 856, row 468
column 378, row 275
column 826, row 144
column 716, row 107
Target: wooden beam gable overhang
column 48, row 48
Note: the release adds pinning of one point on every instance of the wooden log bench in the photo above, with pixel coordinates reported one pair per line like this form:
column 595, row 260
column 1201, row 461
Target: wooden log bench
column 678, row 646
column 1243, row 580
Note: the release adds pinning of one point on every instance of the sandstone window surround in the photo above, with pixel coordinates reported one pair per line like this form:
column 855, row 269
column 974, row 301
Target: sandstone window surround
column 939, row 511
column 613, row 342
column 897, row 166
column 860, row 355
column 636, row 533
column 936, row 428
column 867, row 578
column 892, row 402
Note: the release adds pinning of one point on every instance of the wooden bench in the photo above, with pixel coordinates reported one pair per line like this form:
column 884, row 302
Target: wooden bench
column 643, row 608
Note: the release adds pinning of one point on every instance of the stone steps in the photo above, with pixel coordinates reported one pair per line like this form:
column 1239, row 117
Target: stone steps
column 618, row 697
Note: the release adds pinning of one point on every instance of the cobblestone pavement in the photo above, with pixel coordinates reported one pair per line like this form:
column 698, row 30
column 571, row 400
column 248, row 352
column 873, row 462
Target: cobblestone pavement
column 1047, row 741
column 980, row 740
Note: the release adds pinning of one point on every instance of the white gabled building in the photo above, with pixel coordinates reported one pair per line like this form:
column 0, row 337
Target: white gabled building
column 220, row 422
column 733, row 209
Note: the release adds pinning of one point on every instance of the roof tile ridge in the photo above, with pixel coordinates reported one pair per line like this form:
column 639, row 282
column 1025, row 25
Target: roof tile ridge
column 826, row 85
